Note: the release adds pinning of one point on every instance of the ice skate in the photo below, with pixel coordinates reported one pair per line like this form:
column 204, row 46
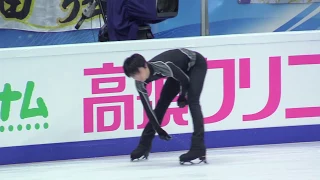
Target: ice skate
column 141, row 152
column 192, row 155
column 197, row 151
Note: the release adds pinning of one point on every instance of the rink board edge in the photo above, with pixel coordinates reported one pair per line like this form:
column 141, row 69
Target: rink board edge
column 123, row 146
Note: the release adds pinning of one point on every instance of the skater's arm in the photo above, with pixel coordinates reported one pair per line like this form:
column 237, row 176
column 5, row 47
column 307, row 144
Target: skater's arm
column 180, row 76
column 141, row 87
column 146, row 103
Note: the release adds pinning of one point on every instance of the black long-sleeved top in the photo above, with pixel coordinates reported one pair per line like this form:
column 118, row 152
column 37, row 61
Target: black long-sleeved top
column 172, row 63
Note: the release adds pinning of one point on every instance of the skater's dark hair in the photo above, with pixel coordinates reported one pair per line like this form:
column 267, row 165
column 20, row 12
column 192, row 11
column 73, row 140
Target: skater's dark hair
column 132, row 64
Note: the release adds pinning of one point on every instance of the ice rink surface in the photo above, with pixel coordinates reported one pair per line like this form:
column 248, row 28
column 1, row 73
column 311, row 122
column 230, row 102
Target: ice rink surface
column 300, row 161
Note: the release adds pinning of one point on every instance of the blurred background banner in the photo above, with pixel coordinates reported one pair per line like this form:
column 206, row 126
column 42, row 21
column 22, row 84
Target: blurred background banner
column 45, row 15
column 51, row 22
column 276, row 1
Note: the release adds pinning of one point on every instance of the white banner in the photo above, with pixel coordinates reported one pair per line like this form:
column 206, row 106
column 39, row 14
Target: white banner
column 46, row 15
column 78, row 92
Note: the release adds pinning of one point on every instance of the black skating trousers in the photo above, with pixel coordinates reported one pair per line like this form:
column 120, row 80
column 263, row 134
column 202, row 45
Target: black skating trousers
column 196, row 75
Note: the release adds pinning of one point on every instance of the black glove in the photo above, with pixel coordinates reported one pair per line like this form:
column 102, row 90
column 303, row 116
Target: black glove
column 163, row 134
column 182, row 101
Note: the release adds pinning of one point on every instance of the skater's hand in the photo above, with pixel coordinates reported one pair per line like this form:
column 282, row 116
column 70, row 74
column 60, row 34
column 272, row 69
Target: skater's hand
column 163, row 134
column 182, row 101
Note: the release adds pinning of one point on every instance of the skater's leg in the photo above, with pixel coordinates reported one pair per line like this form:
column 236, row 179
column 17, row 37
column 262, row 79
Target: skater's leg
column 168, row 93
column 197, row 77
column 170, row 90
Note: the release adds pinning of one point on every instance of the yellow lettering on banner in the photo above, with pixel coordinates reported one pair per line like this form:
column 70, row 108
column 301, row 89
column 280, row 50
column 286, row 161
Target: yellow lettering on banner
column 6, row 6
column 16, row 10
column 21, row 10
column 75, row 9
column 71, row 6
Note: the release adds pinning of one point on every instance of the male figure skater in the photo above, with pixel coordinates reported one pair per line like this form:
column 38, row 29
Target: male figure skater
column 185, row 71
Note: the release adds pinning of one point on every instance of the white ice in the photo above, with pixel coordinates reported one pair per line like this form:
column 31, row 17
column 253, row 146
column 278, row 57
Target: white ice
column 300, row 161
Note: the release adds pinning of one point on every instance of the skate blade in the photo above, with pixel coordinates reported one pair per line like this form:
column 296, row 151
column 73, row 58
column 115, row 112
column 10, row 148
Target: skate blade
column 193, row 162
column 144, row 157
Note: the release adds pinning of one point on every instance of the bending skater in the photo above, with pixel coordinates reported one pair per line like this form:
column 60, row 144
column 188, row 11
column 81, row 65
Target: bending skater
column 185, row 71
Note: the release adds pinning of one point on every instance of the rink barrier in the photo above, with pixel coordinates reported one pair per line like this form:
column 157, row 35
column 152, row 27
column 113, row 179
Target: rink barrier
column 124, row 146
column 260, row 89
